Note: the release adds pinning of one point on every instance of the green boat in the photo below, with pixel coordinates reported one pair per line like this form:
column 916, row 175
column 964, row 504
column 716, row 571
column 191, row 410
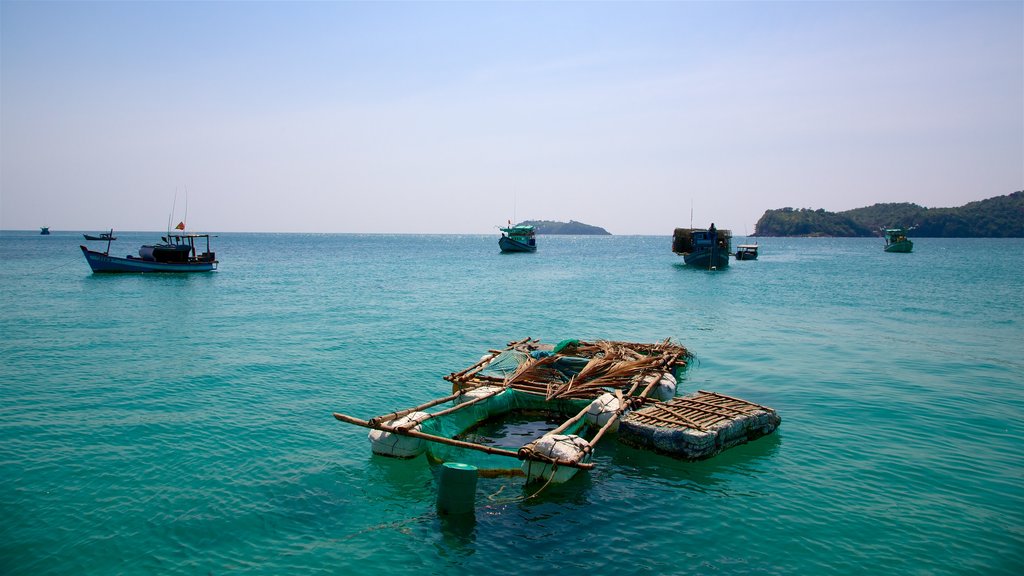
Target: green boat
column 896, row 240
column 518, row 238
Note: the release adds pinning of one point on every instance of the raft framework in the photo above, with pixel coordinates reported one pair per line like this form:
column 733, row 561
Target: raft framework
column 602, row 387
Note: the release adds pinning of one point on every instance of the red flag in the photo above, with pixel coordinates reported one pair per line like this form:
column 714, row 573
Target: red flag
column 180, row 226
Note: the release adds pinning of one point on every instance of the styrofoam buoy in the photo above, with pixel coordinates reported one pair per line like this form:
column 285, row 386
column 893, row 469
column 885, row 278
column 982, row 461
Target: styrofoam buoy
column 561, row 447
column 456, row 488
column 474, row 393
column 665, row 389
column 397, row 445
column 602, row 409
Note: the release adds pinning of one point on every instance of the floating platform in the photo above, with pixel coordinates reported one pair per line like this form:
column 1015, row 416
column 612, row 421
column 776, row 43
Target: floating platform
column 588, row 389
column 697, row 426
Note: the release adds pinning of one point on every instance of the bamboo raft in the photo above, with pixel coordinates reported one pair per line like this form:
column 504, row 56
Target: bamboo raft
column 596, row 386
column 697, row 426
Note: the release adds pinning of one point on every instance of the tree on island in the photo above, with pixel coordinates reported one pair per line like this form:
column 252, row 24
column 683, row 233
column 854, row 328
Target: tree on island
column 570, row 227
column 998, row 217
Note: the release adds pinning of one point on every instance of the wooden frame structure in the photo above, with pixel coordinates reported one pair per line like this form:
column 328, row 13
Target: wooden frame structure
column 630, row 371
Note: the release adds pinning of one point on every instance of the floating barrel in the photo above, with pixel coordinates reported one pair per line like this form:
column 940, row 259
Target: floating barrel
column 456, row 488
column 397, row 445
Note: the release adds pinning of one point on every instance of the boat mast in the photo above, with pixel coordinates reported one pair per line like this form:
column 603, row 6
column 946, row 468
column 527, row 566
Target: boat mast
column 170, row 216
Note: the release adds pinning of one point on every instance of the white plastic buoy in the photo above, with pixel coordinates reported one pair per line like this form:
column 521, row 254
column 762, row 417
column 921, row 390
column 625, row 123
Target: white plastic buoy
column 560, row 447
column 480, row 392
column 397, row 445
column 456, row 488
column 602, row 409
column 665, row 389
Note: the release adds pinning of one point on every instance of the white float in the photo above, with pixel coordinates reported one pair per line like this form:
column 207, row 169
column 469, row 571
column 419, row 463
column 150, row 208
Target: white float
column 665, row 389
column 479, row 392
column 397, row 445
column 568, row 447
column 602, row 409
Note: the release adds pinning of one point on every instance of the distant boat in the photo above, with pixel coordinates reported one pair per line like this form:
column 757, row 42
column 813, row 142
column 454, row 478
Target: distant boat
column 177, row 253
column 44, row 230
column 106, row 236
column 519, row 238
column 702, row 248
column 746, row 252
column 896, row 240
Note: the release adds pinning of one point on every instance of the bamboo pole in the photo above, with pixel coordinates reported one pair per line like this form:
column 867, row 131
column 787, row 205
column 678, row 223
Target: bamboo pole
column 726, row 409
column 623, row 406
column 565, row 425
column 400, row 413
column 686, row 419
column 463, row 405
column 657, row 418
column 511, row 345
column 736, row 399
column 458, row 375
column 460, row 443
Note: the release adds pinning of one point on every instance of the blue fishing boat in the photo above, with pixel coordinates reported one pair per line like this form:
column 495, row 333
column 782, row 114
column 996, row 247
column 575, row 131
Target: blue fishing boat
column 177, row 253
column 709, row 249
column 44, row 230
column 519, row 238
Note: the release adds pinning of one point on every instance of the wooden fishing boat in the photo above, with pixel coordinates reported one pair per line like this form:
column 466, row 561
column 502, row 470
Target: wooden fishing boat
column 581, row 390
column 746, row 252
column 519, row 238
column 896, row 240
column 103, row 236
column 177, row 253
column 703, row 248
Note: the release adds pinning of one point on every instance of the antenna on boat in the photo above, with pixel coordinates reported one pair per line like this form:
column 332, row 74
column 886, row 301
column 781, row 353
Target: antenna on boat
column 170, row 216
column 691, row 212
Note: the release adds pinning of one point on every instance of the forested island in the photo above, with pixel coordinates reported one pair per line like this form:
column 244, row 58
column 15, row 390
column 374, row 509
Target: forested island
column 570, row 227
column 999, row 217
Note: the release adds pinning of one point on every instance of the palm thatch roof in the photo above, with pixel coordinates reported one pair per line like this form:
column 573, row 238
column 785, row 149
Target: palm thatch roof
column 578, row 369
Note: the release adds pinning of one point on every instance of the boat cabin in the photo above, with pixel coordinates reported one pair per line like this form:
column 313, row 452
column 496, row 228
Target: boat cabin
column 687, row 240
column 746, row 252
column 177, row 248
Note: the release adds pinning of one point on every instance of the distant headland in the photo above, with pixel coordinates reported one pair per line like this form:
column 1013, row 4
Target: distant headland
column 998, row 217
column 570, row 227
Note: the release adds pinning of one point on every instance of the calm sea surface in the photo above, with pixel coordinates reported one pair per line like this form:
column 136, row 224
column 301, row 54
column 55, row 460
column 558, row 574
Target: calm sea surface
column 182, row 424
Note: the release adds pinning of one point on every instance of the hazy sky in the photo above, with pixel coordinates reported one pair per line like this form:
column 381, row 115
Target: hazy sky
column 455, row 117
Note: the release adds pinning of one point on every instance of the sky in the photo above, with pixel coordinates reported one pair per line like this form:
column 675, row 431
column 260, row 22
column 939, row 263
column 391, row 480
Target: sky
column 455, row 117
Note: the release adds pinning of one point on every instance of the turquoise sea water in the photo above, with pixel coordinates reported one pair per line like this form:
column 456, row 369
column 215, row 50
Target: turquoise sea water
column 182, row 424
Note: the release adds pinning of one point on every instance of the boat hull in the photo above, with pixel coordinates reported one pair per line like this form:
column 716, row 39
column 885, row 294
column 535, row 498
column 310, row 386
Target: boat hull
column 509, row 245
column 904, row 246
column 100, row 262
column 709, row 258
